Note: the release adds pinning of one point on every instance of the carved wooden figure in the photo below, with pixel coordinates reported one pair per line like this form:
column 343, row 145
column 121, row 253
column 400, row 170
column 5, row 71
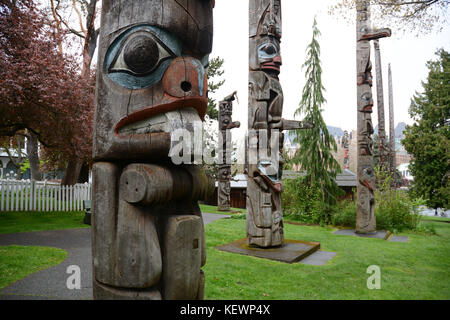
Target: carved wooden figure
column 265, row 126
column 345, row 146
column 225, row 126
column 382, row 150
column 147, row 231
column 365, row 212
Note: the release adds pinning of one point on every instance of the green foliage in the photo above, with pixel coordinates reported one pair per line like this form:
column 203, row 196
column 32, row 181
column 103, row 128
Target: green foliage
column 24, row 166
column 345, row 214
column 316, row 145
column 214, row 70
column 394, row 209
column 303, row 202
column 428, row 139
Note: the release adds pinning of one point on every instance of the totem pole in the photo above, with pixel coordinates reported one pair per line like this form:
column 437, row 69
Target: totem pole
column 382, row 151
column 265, row 126
column 345, row 145
column 147, row 231
column 225, row 126
column 365, row 209
column 392, row 163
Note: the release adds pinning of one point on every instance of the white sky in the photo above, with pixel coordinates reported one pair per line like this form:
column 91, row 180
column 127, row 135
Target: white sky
column 406, row 53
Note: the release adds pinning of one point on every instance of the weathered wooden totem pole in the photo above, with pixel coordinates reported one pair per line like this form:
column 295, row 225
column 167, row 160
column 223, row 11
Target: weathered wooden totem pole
column 365, row 209
column 265, row 126
column 382, row 146
column 225, row 126
column 392, row 162
column 345, row 145
column 147, row 233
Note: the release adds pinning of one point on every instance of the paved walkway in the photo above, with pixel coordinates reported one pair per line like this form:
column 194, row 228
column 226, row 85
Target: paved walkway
column 51, row 283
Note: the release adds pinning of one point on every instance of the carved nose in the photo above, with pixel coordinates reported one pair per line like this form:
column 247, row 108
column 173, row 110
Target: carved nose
column 277, row 60
column 185, row 77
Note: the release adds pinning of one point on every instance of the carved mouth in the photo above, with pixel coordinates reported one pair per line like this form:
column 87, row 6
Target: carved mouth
column 181, row 114
column 271, row 67
column 185, row 119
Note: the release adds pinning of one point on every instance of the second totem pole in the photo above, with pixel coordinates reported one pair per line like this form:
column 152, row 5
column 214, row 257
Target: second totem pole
column 365, row 209
column 265, row 126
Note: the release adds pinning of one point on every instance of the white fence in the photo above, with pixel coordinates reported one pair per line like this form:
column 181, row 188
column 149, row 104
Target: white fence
column 30, row 195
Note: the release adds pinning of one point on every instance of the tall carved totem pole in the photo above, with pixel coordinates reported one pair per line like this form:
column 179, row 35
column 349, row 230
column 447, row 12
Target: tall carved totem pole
column 265, row 126
column 225, row 126
column 147, row 231
column 365, row 209
column 392, row 162
column 346, row 146
column 382, row 145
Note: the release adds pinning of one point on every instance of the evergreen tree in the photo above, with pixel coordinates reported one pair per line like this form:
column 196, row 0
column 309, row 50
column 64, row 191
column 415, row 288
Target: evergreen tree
column 428, row 139
column 316, row 145
column 214, row 70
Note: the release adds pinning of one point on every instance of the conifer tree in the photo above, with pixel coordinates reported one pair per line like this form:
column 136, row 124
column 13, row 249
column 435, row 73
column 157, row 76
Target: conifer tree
column 314, row 155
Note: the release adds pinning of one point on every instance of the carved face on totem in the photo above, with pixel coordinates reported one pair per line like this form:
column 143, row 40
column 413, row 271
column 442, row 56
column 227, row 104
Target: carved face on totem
column 265, row 47
column 151, row 77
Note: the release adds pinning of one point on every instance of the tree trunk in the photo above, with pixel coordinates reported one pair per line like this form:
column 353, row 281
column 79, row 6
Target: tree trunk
column 84, row 173
column 72, row 172
column 33, row 156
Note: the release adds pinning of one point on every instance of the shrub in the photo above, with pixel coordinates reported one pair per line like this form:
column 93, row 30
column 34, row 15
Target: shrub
column 394, row 210
column 304, row 203
column 345, row 214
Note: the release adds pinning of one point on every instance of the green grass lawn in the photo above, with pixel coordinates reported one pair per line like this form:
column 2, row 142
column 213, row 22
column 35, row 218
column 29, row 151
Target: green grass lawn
column 17, row 262
column 213, row 209
column 419, row 269
column 12, row 222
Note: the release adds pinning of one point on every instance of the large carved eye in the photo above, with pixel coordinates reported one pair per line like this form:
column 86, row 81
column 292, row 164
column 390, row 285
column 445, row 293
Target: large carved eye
column 267, row 50
column 140, row 54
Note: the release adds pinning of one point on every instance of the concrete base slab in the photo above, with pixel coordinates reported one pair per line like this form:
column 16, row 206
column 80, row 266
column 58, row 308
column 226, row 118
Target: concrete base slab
column 384, row 235
column 350, row 232
column 398, row 239
column 318, row 258
column 291, row 251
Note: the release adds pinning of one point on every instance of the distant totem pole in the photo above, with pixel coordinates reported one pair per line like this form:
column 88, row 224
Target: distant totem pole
column 345, row 145
column 225, row 126
column 147, row 231
column 392, row 162
column 382, row 146
column 365, row 210
column 265, row 125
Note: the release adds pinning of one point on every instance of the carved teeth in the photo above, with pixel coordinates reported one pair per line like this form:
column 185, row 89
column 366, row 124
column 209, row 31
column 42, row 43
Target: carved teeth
column 186, row 118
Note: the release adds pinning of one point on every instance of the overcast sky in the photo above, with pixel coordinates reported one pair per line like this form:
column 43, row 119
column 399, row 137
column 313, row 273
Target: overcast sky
column 406, row 53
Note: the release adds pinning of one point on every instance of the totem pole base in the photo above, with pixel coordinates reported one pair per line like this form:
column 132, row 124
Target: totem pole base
column 290, row 252
column 351, row 232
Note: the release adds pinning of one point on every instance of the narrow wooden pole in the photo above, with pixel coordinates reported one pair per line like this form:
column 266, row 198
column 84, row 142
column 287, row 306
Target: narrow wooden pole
column 392, row 162
column 382, row 148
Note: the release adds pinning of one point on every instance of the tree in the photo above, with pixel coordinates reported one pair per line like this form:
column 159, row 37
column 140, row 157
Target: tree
column 214, row 70
column 423, row 16
column 428, row 139
column 88, row 35
column 315, row 145
column 41, row 88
